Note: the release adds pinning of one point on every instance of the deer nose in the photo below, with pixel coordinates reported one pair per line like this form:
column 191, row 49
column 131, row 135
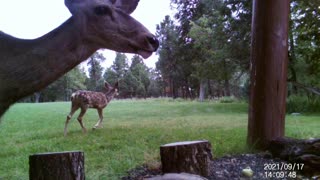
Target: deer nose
column 153, row 41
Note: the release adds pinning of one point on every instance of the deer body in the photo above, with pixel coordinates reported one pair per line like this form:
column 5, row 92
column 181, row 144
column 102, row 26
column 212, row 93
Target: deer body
column 37, row 63
column 90, row 99
column 28, row 66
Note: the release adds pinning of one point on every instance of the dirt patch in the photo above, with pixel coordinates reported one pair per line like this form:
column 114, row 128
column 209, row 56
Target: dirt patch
column 142, row 172
column 230, row 167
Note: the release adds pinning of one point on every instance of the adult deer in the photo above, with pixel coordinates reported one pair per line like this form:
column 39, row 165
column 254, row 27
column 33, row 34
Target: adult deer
column 27, row 66
column 90, row 99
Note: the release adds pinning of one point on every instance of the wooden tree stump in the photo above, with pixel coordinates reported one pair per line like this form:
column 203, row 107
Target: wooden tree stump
column 189, row 157
column 57, row 166
column 306, row 152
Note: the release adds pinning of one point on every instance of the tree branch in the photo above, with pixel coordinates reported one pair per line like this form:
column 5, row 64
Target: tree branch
column 313, row 90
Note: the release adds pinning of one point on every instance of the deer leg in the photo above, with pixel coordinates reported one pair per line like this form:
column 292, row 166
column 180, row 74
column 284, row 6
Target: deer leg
column 83, row 111
column 73, row 110
column 100, row 112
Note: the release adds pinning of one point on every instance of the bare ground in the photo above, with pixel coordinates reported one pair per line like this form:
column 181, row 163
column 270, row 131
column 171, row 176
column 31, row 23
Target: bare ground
column 230, row 167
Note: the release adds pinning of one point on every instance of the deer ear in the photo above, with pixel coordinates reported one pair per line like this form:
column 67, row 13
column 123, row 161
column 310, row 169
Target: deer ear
column 127, row 6
column 71, row 5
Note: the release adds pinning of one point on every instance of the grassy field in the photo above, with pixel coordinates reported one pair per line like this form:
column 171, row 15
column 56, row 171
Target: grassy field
column 132, row 133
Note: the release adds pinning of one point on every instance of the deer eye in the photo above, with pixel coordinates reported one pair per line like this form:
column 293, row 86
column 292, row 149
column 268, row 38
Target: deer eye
column 102, row 10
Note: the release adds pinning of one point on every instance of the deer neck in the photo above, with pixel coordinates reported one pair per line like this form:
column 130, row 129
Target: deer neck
column 28, row 65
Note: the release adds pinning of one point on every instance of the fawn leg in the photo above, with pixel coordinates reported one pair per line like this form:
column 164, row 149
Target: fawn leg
column 83, row 111
column 100, row 112
column 73, row 110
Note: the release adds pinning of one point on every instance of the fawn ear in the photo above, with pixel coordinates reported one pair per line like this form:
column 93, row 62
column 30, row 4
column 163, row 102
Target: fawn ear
column 107, row 85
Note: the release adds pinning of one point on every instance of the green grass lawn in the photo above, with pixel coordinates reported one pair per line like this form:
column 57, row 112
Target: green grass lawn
column 132, row 133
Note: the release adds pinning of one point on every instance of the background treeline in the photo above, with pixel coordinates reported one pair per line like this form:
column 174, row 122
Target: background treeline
column 205, row 53
column 205, row 48
column 136, row 80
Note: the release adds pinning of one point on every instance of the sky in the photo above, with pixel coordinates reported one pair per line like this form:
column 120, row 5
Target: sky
column 34, row 18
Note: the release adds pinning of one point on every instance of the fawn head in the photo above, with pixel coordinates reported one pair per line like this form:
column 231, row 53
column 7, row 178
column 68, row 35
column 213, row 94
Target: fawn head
column 111, row 91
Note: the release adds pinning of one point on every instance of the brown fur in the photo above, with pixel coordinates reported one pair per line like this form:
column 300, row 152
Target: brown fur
column 27, row 66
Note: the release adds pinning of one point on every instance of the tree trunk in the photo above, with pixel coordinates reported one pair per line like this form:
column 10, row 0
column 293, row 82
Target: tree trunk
column 57, row 166
column 226, row 79
column 209, row 89
column 292, row 58
column 304, row 154
column 175, row 91
column 37, row 96
column 220, row 89
column 202, row 90
column 227, row 87
column 269, row 56
column 190, row 157
column 171, row 88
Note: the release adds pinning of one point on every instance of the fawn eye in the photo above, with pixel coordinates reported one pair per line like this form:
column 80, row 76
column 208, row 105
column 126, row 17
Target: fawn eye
column 102, row 10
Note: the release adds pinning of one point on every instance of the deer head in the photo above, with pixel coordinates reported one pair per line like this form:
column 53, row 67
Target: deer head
column 107, row 24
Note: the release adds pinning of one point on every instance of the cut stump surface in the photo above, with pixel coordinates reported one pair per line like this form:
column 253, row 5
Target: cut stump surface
column 57, row 166
column 189, row 156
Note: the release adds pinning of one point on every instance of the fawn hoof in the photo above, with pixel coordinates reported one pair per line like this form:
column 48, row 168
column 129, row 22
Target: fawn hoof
column 84, row 131
column 96, row 127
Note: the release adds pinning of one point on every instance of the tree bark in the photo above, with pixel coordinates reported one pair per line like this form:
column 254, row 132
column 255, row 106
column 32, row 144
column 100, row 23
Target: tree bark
column 190, row 157
column 227, row 88
column 57, row 166
column 305, row 154
column 209, row 89
column 292, row 58
column 37, row 96
column 269, row 59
